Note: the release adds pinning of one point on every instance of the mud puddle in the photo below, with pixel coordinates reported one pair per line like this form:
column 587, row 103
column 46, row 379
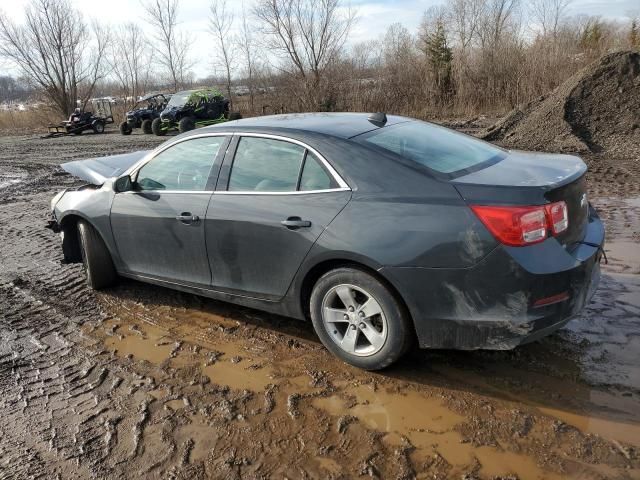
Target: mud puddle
column 624, row 256
column 223, row 363
column 430, row 428
column 11, row 178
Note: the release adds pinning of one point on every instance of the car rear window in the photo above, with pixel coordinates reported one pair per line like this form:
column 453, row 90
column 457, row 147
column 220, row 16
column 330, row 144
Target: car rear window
column 437, row 148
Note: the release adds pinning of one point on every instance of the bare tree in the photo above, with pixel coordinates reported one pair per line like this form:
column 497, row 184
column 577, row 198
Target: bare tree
column 549, row 14
column 220, row 23
column 171, row 46
column 497, row 19
column 248, row 47
column 130, row 59
column 56, row 51
column 402, row 72
column 464, row 18
column 309, row 35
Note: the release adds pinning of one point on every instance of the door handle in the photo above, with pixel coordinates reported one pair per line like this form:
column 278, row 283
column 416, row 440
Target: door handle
column 293, row 223
column 187, row 218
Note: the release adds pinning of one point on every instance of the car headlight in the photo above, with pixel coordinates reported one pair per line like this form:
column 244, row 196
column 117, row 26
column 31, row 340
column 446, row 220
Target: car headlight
column 57, row 198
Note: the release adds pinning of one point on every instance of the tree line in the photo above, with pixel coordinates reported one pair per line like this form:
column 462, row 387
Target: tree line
column 466, row 57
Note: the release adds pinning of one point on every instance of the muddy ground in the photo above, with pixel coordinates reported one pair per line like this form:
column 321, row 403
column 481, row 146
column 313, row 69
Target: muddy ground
column 143, row 382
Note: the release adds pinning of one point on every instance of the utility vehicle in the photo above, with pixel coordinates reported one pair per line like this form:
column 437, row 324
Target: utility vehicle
column 144, row 111
column 190, row 109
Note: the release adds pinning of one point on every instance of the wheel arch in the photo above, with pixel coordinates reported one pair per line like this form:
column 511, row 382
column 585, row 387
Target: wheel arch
column 314, row 273
column 71, row 239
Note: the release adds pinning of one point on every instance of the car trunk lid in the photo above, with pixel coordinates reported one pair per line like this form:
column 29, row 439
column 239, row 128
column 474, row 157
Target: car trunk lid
column 97, row 170
column 526, row 178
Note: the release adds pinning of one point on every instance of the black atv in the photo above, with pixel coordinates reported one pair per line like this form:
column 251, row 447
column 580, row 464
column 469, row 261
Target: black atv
column 144, row 111
column 81, row 120
column 193, row 108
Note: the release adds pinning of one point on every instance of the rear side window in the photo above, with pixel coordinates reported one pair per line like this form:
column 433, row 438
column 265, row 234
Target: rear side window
column 314, row 176
column 437, row 148
column 266, row 165
column 183, row 166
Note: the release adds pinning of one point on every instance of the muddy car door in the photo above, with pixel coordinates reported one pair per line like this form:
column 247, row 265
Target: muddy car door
column 276, row 199
column 159, row 225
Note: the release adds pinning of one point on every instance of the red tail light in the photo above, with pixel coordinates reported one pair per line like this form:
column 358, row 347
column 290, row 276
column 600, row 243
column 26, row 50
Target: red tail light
column 558, row 217
column 520, row 226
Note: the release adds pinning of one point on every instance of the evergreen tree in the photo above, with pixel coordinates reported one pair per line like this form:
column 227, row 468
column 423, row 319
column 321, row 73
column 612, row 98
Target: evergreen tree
column 440, row 58
column 592, row 35
column 634, row 34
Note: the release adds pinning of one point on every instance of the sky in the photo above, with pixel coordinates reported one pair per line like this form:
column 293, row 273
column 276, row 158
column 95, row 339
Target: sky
column 374, row 16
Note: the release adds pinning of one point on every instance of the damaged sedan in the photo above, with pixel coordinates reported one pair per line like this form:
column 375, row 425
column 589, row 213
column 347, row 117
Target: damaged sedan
column 384, row 231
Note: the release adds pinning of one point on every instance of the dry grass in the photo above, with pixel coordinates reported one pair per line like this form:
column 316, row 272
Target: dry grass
column 29, row 121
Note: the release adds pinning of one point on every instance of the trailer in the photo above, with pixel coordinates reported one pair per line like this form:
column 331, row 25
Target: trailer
column 79, row 121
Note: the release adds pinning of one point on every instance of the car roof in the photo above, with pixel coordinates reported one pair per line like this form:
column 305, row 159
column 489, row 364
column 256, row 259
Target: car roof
column 343, row 125
column 154, row 94
column 198, row 90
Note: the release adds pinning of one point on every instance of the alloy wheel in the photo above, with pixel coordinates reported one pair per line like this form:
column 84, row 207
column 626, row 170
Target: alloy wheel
column 354, row 320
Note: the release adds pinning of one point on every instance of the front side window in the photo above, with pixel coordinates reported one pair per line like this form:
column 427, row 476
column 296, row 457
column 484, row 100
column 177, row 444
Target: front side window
column 437, row 148
column 183, row 166
column 266, row 165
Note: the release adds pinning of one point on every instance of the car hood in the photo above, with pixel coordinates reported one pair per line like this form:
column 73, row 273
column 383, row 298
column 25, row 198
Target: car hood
column 97, row 170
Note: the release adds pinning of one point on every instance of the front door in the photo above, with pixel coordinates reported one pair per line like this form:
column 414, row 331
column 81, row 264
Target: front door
column 159, row 226
column 279, row 199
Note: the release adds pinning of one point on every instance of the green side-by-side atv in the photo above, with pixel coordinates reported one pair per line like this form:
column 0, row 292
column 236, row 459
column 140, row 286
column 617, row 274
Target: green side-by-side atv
column 190, row 109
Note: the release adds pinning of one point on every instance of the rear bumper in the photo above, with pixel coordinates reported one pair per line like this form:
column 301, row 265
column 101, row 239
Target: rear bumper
column 492, row 305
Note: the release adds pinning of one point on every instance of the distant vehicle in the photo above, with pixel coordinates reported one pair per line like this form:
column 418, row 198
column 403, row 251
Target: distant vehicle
column 80, row 121
column 241, row 90
column 381, row 230
column 144, row 112
column 190, row 109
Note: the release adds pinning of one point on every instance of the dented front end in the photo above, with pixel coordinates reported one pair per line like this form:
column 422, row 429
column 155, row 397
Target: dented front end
column 515, row 295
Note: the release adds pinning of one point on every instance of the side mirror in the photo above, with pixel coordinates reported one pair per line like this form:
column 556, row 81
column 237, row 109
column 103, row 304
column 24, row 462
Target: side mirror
column 123, row 184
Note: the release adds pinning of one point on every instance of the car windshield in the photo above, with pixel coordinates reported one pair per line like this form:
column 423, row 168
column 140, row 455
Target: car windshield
column 437, row 148
column 179, row 99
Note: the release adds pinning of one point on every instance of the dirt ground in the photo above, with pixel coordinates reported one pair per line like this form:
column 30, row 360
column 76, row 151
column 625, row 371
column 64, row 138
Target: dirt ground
column 141, row 381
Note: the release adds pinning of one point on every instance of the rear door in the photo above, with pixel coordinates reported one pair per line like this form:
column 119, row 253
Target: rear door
column 273, row 201
column 159, row 226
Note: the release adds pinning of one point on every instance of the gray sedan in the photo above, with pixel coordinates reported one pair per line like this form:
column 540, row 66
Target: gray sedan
column 384, row 231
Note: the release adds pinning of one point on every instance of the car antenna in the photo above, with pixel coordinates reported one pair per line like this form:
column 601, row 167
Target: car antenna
column 378, row 119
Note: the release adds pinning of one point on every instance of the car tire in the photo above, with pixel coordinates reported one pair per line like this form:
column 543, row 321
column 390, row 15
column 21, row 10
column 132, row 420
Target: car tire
column 156, row 127
column 185, row 124
column 96, row 259
column 98, row 127
column 390, row 329
column 125, row 128
column 146, row 126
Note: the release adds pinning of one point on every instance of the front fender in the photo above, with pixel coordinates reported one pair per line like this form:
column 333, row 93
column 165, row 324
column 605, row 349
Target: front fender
column 94, row 206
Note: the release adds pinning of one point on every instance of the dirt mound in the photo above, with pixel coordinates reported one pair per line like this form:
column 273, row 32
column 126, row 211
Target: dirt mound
column 595, row 111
